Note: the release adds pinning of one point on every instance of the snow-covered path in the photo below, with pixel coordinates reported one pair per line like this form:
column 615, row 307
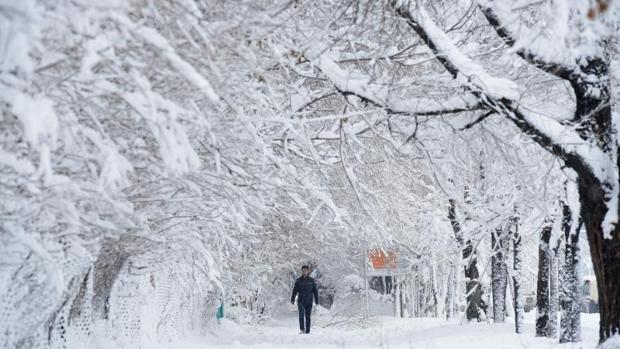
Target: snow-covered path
column 420, row 333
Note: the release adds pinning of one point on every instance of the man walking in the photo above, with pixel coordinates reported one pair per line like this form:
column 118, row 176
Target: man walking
column 306, row 287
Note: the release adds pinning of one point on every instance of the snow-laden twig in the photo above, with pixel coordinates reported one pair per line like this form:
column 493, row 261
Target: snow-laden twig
column 547, row 51
column 379, row 94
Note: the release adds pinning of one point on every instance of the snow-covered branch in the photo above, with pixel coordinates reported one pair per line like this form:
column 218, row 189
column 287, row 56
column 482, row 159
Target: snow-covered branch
column 502, row 96
column 380, row 95
column 548, row 54
column 467, row 72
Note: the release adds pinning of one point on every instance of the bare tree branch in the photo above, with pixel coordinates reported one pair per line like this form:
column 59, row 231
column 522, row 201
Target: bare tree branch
column 477, row 121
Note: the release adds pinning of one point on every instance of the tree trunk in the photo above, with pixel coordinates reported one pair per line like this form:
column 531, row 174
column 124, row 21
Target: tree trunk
column 396, row 297
column 542, row 289
column 554, row 295
column 450, row 291
column 605, row 255
column 473, row 289
column 593, row 114
column 415, row 296
column 434, row 292
column 516, row 277
column 570, row 322
column 499, row 277
column 402, row 300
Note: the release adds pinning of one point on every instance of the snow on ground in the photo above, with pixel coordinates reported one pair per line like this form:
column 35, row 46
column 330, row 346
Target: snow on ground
column 384, row 332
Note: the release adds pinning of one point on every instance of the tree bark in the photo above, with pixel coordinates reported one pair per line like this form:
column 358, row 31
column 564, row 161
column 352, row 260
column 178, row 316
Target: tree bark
column 475, row 302
column 434, row 292
column 516, row 277
column 473, row 289
column 593, row 112
column 605, row 255
column 554, row 295
column 499, row 274
column 542, row 289
column 570, row 321
column 450, row 291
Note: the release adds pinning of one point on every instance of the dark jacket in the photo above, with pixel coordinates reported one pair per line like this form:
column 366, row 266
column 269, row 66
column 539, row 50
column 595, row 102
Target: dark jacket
column 306, row 287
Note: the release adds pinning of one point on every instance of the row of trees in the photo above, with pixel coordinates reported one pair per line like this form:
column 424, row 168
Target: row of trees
column 575, row 50
column 216, row 145
column 558, row 286
column 134, row 172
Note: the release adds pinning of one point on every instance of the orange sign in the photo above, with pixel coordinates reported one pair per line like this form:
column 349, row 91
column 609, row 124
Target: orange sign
column 382, row 259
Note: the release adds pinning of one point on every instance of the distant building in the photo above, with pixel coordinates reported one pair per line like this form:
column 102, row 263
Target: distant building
column 530, row 302
column 589, row 295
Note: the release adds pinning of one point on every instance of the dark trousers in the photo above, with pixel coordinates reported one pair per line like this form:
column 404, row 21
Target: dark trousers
column 305, row 311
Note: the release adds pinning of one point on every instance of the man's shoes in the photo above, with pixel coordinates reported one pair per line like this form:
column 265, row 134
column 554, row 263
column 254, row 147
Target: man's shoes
column 301, row 332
